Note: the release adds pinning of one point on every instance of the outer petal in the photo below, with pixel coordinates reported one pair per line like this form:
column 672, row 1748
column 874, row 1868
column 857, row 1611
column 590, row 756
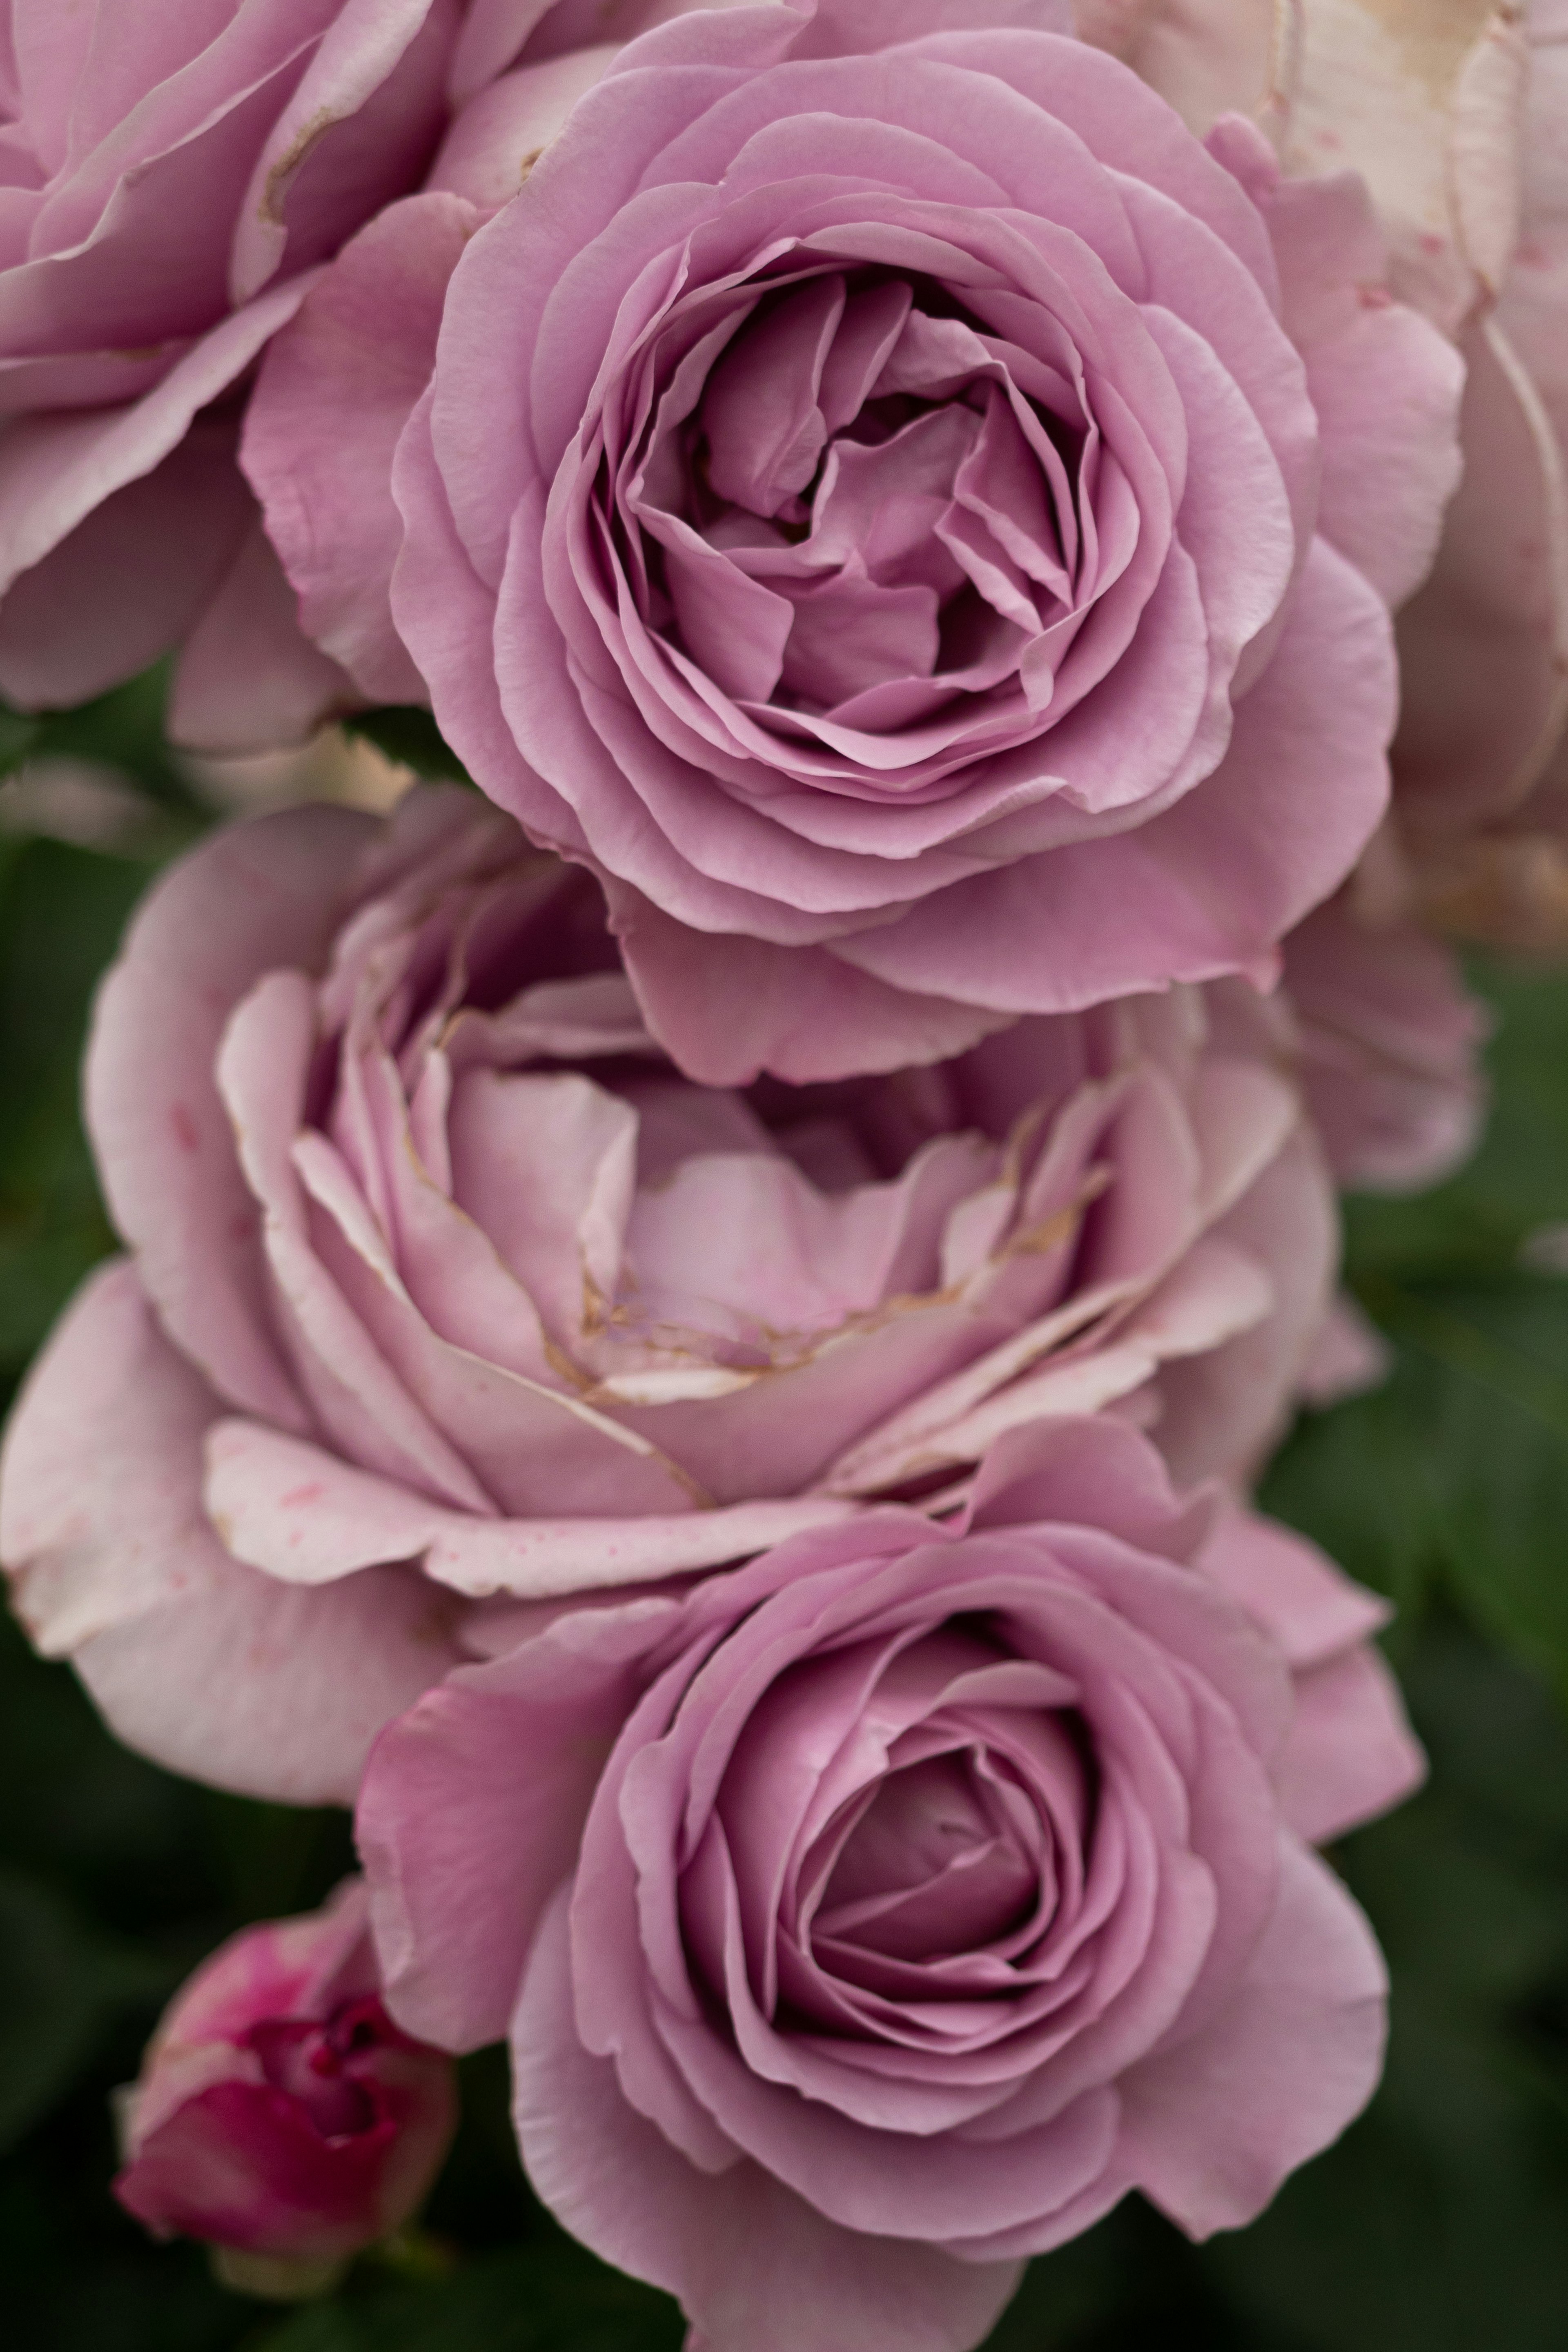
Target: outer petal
column 248, row 678
column 200, row 1664
column 1385, row 385
column 309, row 1518
column 1223, row 1407
column 843, row 28
column 445, row 617
column 500, row 135
column 728, row 1008
column 1385, row 93
column 1213, row 2126
column 1484, row 646
column 131, row 579
column 54, row 470
column 1390, row 1048
column 271, row 893
column 754, row 2266
column 359, row 128
column 1208, row 57
column 472, row 1812
column 1351, row 1754
column 361, row 348
column 1307, row 1606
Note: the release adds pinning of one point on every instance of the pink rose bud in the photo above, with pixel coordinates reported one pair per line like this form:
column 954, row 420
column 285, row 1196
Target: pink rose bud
column 280, row 2112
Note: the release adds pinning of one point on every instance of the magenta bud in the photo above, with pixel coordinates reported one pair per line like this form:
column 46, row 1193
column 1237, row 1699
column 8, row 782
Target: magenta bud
column 280, row 2112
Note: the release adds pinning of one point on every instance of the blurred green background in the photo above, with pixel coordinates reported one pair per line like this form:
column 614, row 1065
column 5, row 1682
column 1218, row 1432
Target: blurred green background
column 1441, row 2221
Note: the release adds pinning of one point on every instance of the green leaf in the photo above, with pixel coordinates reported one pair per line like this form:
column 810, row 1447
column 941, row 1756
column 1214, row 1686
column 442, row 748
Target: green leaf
column 549, row 2297
column 1481, row 1390
column 1436, row 2223
column 407, row 732
column 18, row 735
column 1129, row 2283
column 1358, row 1480
column 50, row 2002
column 62, row 911
column 57, row 1985
column 125, row 730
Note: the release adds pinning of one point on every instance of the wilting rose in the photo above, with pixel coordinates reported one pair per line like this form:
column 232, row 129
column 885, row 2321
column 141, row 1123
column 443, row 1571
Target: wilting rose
column 1484, row 649
column 280, row 2112
column 1455, row 117
column 446, row 1285
column 171, row 174
column 866, row 505
column 877, row 1915
column 1208, row 57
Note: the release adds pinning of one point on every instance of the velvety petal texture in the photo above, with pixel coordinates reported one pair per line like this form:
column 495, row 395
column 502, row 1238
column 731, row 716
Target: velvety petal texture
column 909, row 1895
column 865, row 502
column 170, row 177
column 280, row 2112
column 447, row 1288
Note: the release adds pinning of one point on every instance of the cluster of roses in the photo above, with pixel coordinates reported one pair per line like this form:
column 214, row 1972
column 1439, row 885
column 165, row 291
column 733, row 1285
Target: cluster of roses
column 696, row 1329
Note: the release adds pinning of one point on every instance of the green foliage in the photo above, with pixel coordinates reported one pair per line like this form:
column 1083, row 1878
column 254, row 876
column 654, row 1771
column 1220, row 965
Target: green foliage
column 546, row 2296
column 121, row 730
column 61, row 913
column 1438, row 2220
column 1436, row 2223
column 1453, row 1477
column 407, row 732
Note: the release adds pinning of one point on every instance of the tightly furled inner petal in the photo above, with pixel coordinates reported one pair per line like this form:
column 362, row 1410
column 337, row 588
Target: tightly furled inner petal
column 871, row 509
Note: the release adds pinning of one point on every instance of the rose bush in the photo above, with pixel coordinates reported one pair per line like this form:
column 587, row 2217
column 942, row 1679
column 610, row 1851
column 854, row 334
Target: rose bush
column 280, row 2112
column 877, row 1915
column 446, row 1286
column 866, row 504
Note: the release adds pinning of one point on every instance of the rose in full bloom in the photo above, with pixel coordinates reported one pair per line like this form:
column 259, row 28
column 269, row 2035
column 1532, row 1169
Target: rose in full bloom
column 446, row 1285
column 280, row 2112
column 866, row 504
column 169, row 176
column 879, row 1914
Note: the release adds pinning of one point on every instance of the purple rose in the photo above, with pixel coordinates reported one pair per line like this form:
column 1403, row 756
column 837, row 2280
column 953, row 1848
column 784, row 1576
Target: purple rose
column 446, row 1285
column 879, row 1914
column 171, row 175
column 867, row 505
column 280, row 2112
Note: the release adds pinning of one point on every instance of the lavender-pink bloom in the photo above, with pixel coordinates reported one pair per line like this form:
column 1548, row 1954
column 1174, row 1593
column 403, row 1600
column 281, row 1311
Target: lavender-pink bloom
column 890, row 500
column 879, row 1914
column 172, row 175
column 446, row 1285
